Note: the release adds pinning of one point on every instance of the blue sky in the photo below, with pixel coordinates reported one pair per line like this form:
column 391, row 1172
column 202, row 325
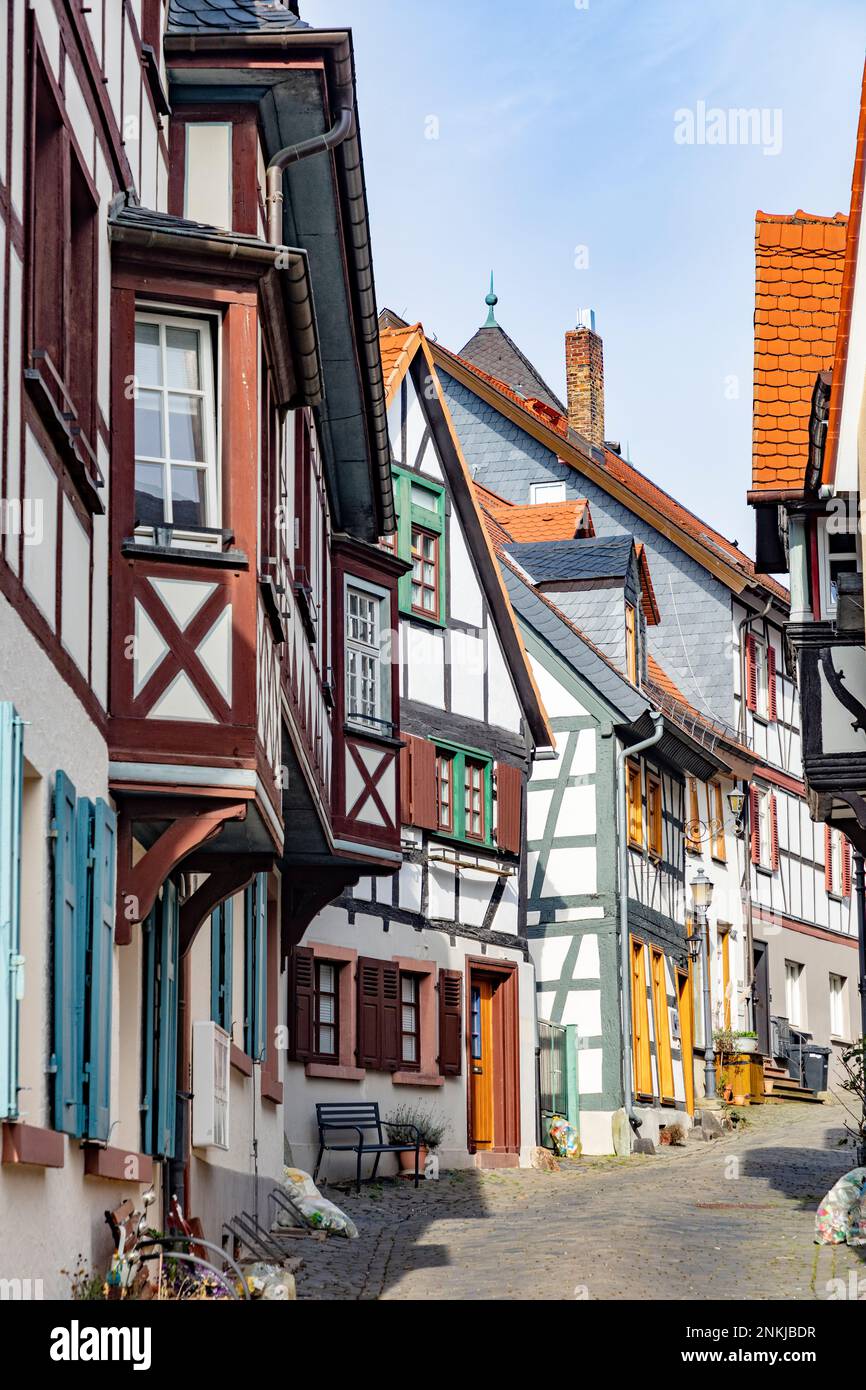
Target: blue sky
column 554, row 128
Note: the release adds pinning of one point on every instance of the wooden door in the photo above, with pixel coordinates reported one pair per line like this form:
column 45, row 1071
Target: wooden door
column 481, row 1062
column 687, row 1035
column 761, row 997
column 724, row 941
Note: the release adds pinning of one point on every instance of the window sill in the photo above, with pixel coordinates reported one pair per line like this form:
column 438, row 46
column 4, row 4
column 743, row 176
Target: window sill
column 426, row 618
column 117, row 1165
column 719, row 858
column 131, row 549
column 416, row 1078
column 271, row 605
column 240, row 1061
column 272, row 1089
column 27, row 1144
column 361, row 731
column 334, row 1071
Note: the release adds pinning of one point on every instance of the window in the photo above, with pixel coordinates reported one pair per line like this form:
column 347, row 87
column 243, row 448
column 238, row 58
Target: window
column 445, row 791
column 794, row 993
column 837, row 862
column 717, row 821
column 838, row 1011
column 696, row 969
column 419, row 540
column 841, row 557
column 368, row 686
column 410, row 1048
column 631, row 644
column 547, row 492
column 635, row 809
column 643, row 1073
column 724, row 940
column 474, row 776
column 326, row 1025
column 693, row 818
column 654, row 815
column 475, row 1024
column 11, row 801
column 425, row 573
column 764, row 829
column 467, row 813
column 175, row 423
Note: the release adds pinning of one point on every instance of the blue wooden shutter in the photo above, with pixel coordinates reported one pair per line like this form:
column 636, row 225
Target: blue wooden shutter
column 149, row 934
column 255, row 966
column 11, row 962
column 69, row 849
column 166, row 1099
column 221, row 953
column 261, row 1028
column 101, row 958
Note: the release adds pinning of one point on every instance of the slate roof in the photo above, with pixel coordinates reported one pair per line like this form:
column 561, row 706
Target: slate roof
column 125, row 214
column 799, row 262
column 493, row 352
column 593, row 557
column 231, row 16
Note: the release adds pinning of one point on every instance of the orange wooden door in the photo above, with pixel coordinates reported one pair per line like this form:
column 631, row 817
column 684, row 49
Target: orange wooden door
column 481, row 1063
column 687, row 1035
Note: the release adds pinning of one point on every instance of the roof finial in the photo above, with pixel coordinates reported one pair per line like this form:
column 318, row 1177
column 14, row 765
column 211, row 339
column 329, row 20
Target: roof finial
column 491, row 300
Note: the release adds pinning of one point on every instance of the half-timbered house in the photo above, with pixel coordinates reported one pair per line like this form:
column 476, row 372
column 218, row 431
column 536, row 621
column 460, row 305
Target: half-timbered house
column 419, row 989
column 199, row 711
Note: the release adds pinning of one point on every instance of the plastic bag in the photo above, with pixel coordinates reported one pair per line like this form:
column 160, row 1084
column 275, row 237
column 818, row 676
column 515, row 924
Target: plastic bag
column 269, row 1282
column 564, row 1137
column 318, row 1210
column 841, row 1217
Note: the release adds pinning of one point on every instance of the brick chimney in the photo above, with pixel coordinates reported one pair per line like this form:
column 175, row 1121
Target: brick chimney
column 584, row 376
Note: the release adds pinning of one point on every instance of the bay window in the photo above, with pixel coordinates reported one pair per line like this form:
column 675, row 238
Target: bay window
column 368, row 685
column 176, row 482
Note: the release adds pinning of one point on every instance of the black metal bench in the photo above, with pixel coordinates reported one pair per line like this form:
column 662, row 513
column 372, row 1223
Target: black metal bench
column 359, row 1116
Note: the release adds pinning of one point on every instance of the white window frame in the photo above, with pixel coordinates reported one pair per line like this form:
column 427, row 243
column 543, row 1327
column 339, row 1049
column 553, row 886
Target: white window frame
column 382, row 722
column 794, row 971
column 203, row 324
column 826, row 558
column 837, row 859
column 838, row 1006
column 548, row 491
column 765, row 827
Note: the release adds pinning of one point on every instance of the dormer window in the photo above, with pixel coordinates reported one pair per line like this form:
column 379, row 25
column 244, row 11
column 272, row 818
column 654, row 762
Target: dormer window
column 547, row 492
column 631, row 661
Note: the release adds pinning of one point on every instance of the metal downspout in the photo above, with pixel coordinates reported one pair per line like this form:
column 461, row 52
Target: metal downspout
column 343, row 127
column 622, row 875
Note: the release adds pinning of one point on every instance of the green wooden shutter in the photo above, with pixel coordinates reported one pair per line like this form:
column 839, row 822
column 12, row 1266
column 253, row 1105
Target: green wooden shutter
column 11, row 962
column 101, row 960
column 221, row 954
column 166, row 1097
column 68, row 975
column 149, row 1040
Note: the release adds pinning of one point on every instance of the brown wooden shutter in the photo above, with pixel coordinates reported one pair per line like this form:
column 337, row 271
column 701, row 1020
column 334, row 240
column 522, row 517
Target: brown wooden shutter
column 771, row 681
column 389, row 1016
column 406, row 780
column 846, row 868
column 751, row 674
column 774, row 832
column 755, row 826
column 301, row 998
column 509, row 787
column 450, row 1022
column 424, row 784
column 369, row 993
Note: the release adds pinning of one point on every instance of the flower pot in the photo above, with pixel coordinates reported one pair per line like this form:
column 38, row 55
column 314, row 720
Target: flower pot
column 407, row 1162
column 746, row 1045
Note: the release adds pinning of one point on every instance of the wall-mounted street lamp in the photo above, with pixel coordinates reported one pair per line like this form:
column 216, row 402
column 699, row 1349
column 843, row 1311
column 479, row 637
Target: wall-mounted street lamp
column 697, row 831
column 702, row 896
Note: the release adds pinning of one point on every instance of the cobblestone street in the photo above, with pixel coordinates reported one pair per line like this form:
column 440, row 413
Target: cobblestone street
column 728, row 1219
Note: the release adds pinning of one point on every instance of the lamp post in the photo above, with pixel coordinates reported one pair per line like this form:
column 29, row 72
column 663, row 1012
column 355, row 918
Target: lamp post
column 702, row 896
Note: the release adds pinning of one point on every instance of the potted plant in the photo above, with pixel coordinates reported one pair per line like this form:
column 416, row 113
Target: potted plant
column 746, row 1042
column 400, row 1126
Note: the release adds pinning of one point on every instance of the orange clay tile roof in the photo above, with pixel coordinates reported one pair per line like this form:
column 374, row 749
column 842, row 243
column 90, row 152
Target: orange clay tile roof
column 635, row 481
column 798, row 282
column 393, row 343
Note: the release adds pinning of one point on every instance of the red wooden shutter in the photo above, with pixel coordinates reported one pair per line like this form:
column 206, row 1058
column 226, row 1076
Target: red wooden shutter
column 509, row 786
column 424, row 812
column 771, row 681
column 755, row 826
column 774, row 832
column 751, row 674
column 846, row 868
column 828, row 859
column 450, row 1022
column 369, row 993
column 389, row 1016
column 303, row 974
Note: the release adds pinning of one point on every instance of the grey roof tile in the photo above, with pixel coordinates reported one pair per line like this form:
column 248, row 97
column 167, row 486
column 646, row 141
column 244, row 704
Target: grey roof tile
column 593, row 557
column 232, row 16
column 495, row 353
